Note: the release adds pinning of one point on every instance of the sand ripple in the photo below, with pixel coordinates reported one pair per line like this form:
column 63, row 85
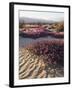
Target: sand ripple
column 32, row 66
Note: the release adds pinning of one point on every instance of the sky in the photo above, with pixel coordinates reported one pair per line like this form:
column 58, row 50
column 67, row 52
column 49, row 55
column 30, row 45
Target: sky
column 54, row 16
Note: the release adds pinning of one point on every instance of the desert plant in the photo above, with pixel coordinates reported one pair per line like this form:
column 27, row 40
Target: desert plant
column 52, row 51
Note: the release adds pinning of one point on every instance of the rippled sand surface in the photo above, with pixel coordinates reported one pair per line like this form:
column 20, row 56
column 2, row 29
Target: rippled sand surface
column 32, row 66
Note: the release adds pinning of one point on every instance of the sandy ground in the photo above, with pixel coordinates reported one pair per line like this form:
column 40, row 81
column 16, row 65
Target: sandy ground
column 32, row 66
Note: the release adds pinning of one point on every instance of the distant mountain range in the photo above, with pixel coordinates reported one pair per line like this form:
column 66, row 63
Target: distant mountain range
column 33, row 20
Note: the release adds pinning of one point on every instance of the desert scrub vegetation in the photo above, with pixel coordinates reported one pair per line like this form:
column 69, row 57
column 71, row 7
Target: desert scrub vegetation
column 59, row 27
column 52, row 51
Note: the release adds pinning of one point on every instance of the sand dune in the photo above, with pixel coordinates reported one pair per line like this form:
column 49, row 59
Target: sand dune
column 32, row 66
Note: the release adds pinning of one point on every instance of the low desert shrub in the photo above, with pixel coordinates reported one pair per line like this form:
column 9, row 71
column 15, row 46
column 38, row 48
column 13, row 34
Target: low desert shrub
column 51, row 50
